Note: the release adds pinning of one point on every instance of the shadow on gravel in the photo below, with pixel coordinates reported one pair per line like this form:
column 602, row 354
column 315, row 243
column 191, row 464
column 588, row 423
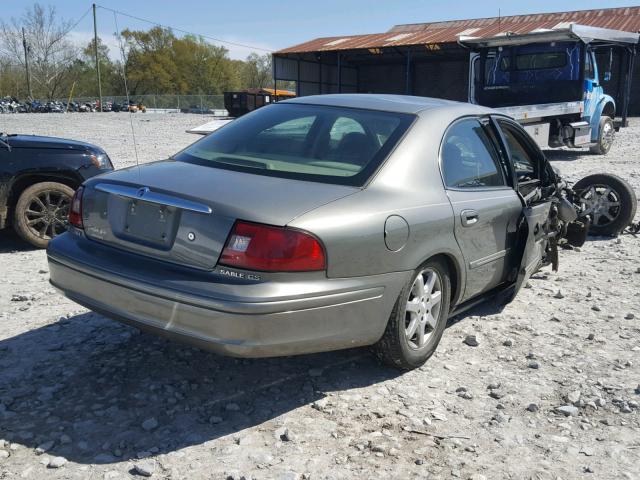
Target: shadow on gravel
column 10, row 242
column 95, row 391
column 565, row 155
column 490, row 306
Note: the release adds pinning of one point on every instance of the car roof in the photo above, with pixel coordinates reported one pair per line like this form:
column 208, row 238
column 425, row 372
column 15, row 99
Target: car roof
column 388, row 103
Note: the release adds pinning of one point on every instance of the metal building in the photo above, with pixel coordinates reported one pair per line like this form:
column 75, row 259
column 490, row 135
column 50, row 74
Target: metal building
column 426, row 59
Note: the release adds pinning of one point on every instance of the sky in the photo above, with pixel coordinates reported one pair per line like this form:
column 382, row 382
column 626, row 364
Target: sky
column 273, row 25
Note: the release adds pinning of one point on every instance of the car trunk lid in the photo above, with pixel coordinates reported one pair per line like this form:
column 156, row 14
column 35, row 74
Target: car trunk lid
column 183, row 213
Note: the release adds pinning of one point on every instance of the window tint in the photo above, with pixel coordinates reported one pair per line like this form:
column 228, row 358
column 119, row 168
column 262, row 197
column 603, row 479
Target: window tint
column 469, row 158
column 523, row 163
column 308, row 142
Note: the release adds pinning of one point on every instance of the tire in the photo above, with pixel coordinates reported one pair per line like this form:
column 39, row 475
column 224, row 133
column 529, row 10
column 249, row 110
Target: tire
column 617, row 207
column 605, row 137
column 395, row 348
column 36, row 219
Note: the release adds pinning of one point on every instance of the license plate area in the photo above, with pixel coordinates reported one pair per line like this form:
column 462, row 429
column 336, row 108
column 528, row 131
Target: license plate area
column 150, row 224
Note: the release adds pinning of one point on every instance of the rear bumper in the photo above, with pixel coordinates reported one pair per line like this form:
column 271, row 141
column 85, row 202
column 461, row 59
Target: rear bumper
column 306, row 317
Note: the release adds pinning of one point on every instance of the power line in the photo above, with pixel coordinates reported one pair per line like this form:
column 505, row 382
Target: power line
column 80, row 19
column 185, row 31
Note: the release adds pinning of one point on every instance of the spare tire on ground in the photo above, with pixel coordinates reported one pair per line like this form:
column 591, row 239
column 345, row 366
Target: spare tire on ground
column 609, row 200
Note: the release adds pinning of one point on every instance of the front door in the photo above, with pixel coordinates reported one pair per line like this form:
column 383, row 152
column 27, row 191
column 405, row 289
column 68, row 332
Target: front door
column 486, row 209
column 528, row 165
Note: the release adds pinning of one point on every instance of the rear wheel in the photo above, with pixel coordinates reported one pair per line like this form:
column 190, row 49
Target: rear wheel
column 608, row 200
column 41, row 212
column 418, row 319
column 605, row 137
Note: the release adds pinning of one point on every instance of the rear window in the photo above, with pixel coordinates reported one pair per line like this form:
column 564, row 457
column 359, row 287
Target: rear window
column 535, row 61
column 307, row 142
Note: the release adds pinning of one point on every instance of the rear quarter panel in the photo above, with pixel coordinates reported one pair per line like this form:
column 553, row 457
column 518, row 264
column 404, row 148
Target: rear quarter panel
column 408, row 185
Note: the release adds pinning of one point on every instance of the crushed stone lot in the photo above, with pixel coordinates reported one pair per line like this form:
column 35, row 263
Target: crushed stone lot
column 552, row 389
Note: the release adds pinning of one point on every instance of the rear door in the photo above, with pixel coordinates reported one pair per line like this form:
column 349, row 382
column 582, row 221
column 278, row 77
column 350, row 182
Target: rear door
column 486, row 209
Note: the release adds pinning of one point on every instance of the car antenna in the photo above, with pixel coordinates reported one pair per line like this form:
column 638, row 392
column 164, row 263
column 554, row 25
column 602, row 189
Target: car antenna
column 126, row 91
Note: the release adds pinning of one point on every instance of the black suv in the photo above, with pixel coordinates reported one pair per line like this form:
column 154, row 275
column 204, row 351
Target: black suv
column 38, row 176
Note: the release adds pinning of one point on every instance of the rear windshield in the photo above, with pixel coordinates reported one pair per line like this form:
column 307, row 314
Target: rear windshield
column 307, row 142
column 535, row 61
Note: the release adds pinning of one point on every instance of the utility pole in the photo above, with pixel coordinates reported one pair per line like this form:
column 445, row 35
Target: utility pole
column 95, row 45
column 26, row 63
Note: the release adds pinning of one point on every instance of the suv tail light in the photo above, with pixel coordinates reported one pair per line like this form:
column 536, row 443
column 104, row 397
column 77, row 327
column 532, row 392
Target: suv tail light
column 253, row 246
column 75, row 209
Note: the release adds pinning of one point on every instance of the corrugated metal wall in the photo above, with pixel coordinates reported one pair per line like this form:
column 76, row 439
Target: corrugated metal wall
column 441, row 78
column 314, row 78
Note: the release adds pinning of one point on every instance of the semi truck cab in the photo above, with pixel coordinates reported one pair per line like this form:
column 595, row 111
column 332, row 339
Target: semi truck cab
column 550, row 81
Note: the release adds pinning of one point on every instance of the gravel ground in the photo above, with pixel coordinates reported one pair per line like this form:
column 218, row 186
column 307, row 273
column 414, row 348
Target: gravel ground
column 551, row 390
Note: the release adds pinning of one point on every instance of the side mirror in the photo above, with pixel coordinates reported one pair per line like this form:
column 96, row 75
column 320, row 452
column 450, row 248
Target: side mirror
column 607, row 76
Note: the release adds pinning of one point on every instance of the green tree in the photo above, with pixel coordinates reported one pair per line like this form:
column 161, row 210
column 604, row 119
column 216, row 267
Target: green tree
column 83, row 73
column 150, row 64
column 256, row 71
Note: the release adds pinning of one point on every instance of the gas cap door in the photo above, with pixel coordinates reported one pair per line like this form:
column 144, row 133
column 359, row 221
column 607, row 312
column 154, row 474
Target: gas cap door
column 396, row 232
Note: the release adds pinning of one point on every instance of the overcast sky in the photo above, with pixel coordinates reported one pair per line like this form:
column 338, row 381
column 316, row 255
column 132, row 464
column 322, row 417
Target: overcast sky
column 278, row 24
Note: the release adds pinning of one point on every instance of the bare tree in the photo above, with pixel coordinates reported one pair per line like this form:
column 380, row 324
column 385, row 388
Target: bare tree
column 51, row 54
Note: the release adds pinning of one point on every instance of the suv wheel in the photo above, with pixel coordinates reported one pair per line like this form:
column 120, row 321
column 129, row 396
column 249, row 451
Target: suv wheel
column 41, row 212
column 418, row 318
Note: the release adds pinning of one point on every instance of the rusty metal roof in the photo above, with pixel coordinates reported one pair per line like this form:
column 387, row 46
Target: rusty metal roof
column 625, row 19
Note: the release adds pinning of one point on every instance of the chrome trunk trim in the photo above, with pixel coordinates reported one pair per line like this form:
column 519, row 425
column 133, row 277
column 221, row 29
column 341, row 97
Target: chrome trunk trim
column 145, row 194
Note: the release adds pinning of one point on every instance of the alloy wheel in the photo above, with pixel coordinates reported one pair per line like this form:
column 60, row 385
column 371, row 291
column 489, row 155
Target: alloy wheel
column 423, row 308
column 46, row 213
column 601, row 202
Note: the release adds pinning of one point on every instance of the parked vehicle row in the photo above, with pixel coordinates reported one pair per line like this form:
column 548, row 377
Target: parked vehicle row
column 12, row 105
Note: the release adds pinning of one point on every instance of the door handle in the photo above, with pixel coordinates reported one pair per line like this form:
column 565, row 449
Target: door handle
column 469, row 218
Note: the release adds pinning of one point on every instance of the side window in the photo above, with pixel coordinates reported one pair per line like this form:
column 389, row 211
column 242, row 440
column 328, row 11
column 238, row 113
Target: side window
column 469, row 157
column 588, row 67
column 521, row 158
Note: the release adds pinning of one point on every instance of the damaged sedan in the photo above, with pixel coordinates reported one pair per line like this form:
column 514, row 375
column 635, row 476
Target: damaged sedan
column 328, row 222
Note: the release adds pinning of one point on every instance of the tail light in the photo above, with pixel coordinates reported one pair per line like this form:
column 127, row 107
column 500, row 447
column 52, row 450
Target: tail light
column 253, row 246
column 75, row 209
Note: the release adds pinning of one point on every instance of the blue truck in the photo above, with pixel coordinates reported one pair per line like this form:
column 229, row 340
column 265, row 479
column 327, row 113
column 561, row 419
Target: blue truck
column 550, row 81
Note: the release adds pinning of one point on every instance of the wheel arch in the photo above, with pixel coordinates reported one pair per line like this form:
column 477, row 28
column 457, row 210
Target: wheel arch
column 21, row 183
column 456, row 275
column 606, row 107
